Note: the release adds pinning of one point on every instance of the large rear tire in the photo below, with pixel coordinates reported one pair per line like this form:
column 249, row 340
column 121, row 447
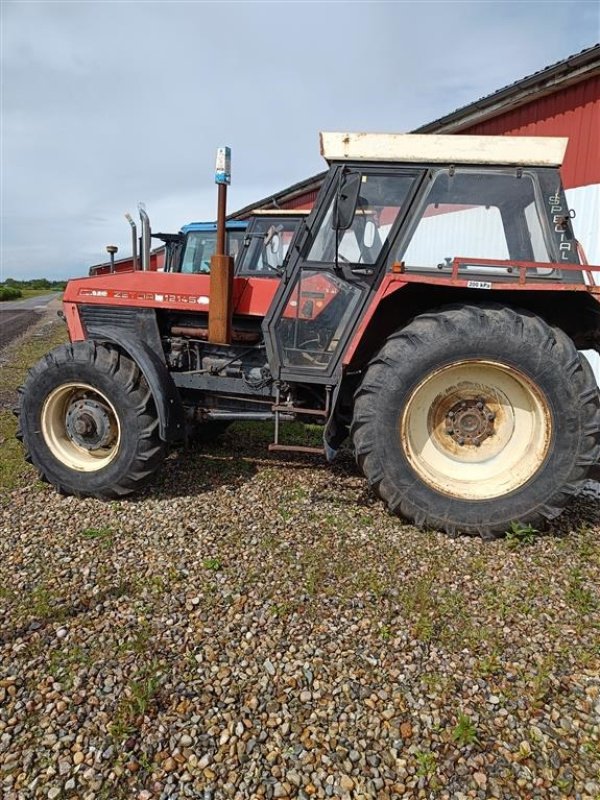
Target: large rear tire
column 473, row 417
column 88, row 422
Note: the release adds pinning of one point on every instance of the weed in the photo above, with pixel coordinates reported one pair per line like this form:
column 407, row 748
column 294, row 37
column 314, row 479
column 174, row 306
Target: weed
column 212, row 563
column 385, row 632
column 581, row 598
column 464, row 732
column 285, row 514
column 282, row 609
column 42, row 603
column 426, row 763
column 97, row 533
column 488, row 665
column 137, row 697
column 519, row 534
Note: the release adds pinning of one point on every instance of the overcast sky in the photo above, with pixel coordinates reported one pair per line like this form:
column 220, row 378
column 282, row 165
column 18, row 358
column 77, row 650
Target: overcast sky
column 108, row 103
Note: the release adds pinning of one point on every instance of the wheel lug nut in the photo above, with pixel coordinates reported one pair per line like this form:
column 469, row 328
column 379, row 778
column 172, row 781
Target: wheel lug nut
column 451, row 414
column 480, row 405
column 461, row 441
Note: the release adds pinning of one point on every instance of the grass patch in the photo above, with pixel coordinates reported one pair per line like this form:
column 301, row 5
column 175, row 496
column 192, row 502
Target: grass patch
column 98, row 533
column 213, row 564
column 135, row 701
column 14, row 471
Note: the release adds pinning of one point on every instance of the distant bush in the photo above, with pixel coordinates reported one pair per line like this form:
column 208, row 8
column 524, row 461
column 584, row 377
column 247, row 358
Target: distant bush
column 10, row 293
column 38, row 284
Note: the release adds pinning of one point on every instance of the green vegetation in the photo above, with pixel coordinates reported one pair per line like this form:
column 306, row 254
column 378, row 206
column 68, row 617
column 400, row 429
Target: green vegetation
column 465, row 732
column 14, row 471
column 11, row 289
column 519, row 534
column 97, row 533
column 10, row 293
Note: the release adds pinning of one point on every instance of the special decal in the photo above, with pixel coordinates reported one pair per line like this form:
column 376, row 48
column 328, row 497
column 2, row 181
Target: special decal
column 560, row 214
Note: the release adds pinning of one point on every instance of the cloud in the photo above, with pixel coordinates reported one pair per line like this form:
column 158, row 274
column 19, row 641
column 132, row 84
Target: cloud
column 106, row 104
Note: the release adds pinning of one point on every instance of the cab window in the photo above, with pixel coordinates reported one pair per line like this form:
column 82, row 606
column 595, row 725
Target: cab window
column 468, row 214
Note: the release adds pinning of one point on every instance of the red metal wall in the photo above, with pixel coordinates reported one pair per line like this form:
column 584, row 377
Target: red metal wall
column 303, row 202
column 574, row 112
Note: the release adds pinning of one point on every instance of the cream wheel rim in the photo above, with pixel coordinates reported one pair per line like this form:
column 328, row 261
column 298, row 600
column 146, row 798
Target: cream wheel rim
column 80, row 427
column 475, row 430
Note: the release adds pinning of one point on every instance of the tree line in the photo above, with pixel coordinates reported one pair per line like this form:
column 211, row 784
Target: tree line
column 12, row 289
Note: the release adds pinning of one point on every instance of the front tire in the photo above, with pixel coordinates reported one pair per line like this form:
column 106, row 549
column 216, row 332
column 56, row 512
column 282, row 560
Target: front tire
column 474, row 417
column 88, row 422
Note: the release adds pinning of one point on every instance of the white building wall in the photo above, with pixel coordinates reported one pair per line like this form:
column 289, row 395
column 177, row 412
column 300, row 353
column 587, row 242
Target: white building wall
column 585, row 200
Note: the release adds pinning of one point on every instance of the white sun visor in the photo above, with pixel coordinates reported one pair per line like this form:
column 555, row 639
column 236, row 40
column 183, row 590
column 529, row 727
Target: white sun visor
column 533, row 151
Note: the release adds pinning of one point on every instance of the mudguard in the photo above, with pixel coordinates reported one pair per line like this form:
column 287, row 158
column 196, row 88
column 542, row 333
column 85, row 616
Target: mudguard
column 166, row 397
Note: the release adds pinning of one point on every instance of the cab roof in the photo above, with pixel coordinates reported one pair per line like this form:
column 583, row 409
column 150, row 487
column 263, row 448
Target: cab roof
column 531, row 151
column 207, row 227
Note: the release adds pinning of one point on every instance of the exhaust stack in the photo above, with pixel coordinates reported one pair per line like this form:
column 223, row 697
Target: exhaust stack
column 146, row 234
column 220, row 309
column 134, row 256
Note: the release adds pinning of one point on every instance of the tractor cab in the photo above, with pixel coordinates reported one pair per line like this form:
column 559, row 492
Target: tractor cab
column 267, row 242
column 197, row 244
column 476, row 226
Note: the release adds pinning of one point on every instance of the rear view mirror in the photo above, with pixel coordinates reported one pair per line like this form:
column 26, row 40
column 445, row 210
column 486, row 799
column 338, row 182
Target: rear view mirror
column 346, row 199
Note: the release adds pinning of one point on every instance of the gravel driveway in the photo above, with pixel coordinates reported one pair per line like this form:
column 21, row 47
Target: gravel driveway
column 254, row 627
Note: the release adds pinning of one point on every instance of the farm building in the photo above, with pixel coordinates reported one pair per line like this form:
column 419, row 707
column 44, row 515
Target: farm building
column 560, row 100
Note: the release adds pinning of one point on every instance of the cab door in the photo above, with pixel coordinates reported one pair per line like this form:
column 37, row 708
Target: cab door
column 339, row 262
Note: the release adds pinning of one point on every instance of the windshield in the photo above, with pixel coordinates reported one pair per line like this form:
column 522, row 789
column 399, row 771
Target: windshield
column 379, row 203
column 200, row 246
column 270, row 240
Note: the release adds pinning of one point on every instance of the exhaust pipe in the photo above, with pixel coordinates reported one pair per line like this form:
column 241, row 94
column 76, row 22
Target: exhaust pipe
column 134, row 256
column 220, row 309
column 145, row 237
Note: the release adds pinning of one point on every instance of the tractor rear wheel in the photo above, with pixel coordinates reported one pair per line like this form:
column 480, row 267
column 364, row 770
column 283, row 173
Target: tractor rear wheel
column 88, row 422
column 473, row 417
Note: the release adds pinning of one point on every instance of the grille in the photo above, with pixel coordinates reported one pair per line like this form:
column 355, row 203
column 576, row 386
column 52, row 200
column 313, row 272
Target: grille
column 95, row 317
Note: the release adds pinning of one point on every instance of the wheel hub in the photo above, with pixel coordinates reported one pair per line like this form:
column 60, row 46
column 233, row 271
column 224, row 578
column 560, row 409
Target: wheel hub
column 89, row 425
column 470, row 422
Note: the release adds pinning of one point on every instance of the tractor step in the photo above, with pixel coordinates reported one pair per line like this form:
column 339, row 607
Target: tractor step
column 293, row 448
column 287, row 409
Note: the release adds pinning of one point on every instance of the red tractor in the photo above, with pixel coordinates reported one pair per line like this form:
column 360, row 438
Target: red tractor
column 430, row 308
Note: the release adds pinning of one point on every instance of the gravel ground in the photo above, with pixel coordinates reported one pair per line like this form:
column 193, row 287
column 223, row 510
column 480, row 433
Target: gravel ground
column 256, row 627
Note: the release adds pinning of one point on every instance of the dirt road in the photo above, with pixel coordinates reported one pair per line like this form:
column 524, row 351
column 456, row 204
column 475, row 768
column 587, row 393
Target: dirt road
column 18, row 315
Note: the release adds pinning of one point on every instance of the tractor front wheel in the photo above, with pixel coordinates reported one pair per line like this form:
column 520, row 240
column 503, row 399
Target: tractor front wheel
column 474, row 417
column 88, row 422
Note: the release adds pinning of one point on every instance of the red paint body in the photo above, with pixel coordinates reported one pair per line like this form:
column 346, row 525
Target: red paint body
column 253, row 296
column 170, row 291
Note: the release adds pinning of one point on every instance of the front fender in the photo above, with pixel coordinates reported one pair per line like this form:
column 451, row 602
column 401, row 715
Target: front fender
column 166, row 396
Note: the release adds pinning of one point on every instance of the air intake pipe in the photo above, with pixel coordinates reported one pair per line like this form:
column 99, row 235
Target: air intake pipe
column 134, row 256
column 146, row 234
